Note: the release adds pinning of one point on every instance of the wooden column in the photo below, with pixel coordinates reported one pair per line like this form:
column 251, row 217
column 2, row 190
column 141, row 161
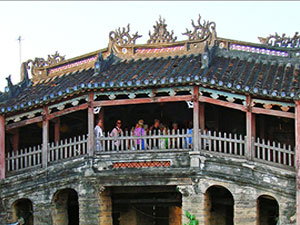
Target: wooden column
column 297, row 141
column 91, row 124
column 196, row 119
column 56, row 129
column 250, row 129
column 45, row 137
column 15, row 139
column 2, row 147
column 202, row 116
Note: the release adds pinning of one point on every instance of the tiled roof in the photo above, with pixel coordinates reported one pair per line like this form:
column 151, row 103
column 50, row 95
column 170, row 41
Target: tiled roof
column 241, row 72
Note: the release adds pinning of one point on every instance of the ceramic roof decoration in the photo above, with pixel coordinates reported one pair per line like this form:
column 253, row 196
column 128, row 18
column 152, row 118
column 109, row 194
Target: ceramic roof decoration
column 268, row 70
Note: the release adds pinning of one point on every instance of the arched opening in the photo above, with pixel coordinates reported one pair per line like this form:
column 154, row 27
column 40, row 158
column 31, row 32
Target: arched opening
column 267, row 210
column 219, row 206
column 65, row 207
column 22, row 211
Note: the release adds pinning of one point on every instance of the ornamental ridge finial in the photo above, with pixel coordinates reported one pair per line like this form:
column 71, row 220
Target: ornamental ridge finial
column 160, row 34
column 201, row 31
column 281, row 41
column 123, row 37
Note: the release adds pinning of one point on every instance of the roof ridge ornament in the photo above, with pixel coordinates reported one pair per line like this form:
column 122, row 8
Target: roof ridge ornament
column 281, row 41
column 122, row 37
column 202, row 32
column 39, row 63
column 160, row 34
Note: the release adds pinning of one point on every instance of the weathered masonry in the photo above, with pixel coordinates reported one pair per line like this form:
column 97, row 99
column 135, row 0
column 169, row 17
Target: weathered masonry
column 232, row 156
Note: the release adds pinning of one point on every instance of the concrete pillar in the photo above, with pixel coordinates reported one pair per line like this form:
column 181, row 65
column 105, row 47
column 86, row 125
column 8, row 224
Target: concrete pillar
column 245, row 207
column 89, row 204
column 105, row 208
column 42, row 213
column 191, row 202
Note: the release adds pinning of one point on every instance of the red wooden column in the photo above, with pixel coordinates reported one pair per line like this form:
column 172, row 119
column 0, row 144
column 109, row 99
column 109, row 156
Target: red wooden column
column 45, row 137
column 56, row 129
column 16, row 139
column 91, row 125
column 196, row 119
column 250, row 129
column 2, row 147
column 202, row 116
column 297, row 140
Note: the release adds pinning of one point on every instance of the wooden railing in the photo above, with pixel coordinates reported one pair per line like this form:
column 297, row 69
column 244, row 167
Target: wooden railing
column 170, row 141
column 24, row 158
column 68, row 148
column 221, row 142
column 128, row 142
column 274, row 153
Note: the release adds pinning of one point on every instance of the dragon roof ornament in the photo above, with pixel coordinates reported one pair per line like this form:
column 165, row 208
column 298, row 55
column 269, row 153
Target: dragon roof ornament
column 38, row 63
column 160, row 34
column 201, row 32
column 122, row 37
column 281, row 41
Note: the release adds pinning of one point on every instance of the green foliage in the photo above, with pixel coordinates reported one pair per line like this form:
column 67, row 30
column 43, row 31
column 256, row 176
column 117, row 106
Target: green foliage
column 192, row 219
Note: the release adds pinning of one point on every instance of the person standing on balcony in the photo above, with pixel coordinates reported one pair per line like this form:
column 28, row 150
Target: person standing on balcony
column 99, row 134
column 139, row 131
column 155, row 130
column 117, row 132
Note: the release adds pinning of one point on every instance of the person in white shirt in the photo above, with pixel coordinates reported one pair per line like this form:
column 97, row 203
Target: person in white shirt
column 98, row 134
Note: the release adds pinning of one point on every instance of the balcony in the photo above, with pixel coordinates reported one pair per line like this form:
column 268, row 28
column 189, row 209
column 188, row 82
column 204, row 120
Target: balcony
column 221, row 144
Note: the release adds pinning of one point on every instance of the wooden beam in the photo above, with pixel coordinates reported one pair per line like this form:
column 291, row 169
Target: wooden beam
column 222, row 103
column 143, row 100
column 23, row 123
column 243, row 108
column 273, row 112
column 196, row 119
column 68, row 110
column 45, row 137
column 91, row 124
column 2, row 147
column 297, row 141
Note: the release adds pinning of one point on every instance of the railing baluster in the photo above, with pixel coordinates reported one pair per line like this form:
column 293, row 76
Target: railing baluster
column 284, row 154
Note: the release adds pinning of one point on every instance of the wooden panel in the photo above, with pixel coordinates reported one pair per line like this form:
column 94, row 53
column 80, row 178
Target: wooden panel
column 272, row 112
column 23, row 123
column 143, row 100
column 222, row 103
column 68, row 110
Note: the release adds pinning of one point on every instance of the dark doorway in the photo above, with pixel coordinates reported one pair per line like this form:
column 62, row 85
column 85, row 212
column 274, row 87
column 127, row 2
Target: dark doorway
column 23, row 209
column 219, row 205
column 268, row 210
column 66, row 207
column 145, row 205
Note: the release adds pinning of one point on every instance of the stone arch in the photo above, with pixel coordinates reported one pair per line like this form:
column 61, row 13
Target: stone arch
column 65, row 207
column 218, row 206
column 267, row 210
column 22, row 210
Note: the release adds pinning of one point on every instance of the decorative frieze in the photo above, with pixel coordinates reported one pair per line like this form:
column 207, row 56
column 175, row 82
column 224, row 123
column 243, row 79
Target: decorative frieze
column 258, row 50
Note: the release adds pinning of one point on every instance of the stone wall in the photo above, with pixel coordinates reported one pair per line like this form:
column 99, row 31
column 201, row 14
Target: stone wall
column 92, row 178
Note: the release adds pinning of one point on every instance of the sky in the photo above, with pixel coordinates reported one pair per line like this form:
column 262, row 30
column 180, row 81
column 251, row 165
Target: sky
column 75, row 28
